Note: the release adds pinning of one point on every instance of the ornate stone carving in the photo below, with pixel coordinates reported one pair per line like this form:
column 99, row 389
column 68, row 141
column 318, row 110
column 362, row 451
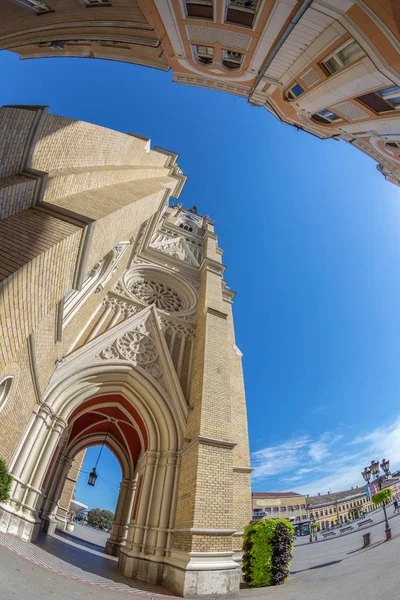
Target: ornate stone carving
column 137, row 347
column 126, row 309
column 179, row 328
column 157, row 293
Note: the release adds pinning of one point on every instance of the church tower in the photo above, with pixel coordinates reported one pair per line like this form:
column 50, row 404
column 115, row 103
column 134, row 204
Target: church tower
column 144, row 360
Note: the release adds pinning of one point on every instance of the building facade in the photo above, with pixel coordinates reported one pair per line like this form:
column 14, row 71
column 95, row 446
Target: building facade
column 284, row 505
column 330, row 510
column 116, row 326
column 329, row 67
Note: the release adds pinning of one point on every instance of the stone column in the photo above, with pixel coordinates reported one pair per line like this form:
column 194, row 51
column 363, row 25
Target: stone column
column 130, row 563
column 123, row 513
column 49, row 516
column 33, row 487
column 31, row 464
column 201, row 560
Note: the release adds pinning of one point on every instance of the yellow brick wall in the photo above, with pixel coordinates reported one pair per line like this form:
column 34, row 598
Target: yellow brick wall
column 15, row 130
column 36, row 269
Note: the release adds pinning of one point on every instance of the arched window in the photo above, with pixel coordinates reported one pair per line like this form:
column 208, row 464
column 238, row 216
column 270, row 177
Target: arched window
column 5, row 390
column 294, row 91
column 94, row 280
column 325, row 117
column 392, row 145
column 204, row 55
column 231, row 60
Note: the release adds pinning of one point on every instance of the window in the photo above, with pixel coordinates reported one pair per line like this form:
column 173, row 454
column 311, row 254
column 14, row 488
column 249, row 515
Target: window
column 231, row 60
column 5, row 390
column 38, row 7
column 268, row 510
column 96, row 2
column 303, row 507
column 200, row 9
column 383, row 100
column 296, row 507
column 204, row 54
column 304, row 517
column 94, row 280
column 294, row 92
column 186, row 227
column 325, row 117
column 330, row 511
column 346, row 55
column 283, row 508
column 275, row 509
column 317, row 515
column 241, row 12
column 290, row 508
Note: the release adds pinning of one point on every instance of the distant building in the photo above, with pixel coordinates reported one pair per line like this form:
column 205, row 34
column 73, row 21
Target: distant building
column 80, row 509
column 329, row 510
column 286, row 505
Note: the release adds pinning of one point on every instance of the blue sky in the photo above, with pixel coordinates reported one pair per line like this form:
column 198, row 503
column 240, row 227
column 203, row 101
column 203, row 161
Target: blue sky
column 311, row 238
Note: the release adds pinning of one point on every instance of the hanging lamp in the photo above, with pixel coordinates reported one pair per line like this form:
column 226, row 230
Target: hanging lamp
column 93, row 475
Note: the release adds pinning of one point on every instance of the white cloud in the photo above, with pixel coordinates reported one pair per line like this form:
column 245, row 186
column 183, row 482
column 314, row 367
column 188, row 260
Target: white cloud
column 321, row 448
column 311, row 465
column 277, row 459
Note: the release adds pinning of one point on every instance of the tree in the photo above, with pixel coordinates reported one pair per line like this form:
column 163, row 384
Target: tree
column 5, row 481
column 107, row 519
column 101, row 519
column 94, row 517
column 382, row 497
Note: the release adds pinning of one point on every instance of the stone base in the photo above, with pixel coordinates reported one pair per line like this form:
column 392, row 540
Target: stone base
column 140, row 568
column 202, row 583
column 21, row 526
column 113, row 548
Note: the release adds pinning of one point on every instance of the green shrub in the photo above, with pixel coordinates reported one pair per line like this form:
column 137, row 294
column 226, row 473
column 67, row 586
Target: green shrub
column 267, row 551
column 5, row 481
column 382, row 497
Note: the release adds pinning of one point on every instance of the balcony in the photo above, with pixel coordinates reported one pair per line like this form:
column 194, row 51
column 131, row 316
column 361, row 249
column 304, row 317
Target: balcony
column 241, row 12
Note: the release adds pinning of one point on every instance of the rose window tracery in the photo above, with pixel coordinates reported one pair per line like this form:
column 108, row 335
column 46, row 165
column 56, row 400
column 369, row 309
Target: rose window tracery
column 157, row 293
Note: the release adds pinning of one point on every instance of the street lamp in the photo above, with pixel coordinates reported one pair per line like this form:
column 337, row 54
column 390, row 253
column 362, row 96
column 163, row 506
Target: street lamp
column 373, row 471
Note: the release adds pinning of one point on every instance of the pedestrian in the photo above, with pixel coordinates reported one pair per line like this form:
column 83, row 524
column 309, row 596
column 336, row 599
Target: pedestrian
column 396, row 505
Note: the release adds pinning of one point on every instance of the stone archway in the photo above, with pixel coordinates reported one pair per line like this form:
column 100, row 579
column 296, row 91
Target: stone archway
column 146, row 433
column 108, row 419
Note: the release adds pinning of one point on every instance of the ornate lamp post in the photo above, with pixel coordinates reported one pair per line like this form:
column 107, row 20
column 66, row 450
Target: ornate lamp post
column 373, row 471
column 312, row 521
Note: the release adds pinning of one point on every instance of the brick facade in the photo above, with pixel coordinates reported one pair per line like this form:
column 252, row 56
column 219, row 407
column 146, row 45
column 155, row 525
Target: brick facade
column 109, row 296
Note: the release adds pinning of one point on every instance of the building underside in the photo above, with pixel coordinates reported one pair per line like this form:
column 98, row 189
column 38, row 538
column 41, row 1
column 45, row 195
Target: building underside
column 329, row 67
